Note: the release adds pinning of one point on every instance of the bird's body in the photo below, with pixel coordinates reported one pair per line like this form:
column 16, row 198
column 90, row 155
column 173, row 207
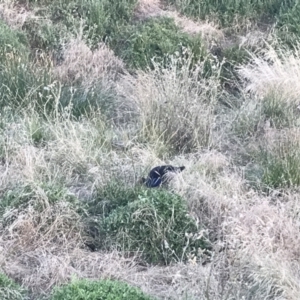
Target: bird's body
column 159, row 175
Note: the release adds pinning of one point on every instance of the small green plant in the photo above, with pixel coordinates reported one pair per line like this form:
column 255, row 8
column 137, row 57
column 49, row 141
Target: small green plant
column 138, row 44
column 98, row 290
column 9, row 290
column 154, row 222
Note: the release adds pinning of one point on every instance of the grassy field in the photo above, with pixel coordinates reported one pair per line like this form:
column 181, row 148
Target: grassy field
column 93, row 94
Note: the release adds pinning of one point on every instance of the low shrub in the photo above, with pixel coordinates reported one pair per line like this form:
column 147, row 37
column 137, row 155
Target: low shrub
column 98, row 290
column 9, row 290
column 153, row 222
column 110, row 197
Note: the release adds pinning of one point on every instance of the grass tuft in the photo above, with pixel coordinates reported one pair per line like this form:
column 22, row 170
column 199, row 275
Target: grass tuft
column 9, row 290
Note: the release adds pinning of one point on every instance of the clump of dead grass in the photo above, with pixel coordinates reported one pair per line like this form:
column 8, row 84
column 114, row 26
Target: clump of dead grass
column 38, row 225
column 208, row 31
column 148, row 8
column 87, row 67
column 276, row 71
column 251, row 229
column 14, row 15
column 174, row 105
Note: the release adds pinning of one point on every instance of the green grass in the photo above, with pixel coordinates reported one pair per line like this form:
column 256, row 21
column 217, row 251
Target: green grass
column 46, row 35
column 85, row 101
column 13, row 44
column 155, row 39
column 281, row 161
column 232, row 57
column 38, row 197
column 100, row 19
column 9, row 290
column 69, row 124
column 282, row 114
column 288, row 28
column 31, row 87
column 229, row 11
column 273, row 109
column 98, row 290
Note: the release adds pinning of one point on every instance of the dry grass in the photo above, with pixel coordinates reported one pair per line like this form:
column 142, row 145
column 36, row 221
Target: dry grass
column 260, row 236
column 276, row 71
column 159, row 100
column 209, row 32
column 255, row 237
column 14, row 15
column 82, row 65
column 148, row 8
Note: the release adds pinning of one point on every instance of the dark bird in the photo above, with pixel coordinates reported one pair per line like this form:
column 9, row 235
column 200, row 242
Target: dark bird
column 159, row 175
